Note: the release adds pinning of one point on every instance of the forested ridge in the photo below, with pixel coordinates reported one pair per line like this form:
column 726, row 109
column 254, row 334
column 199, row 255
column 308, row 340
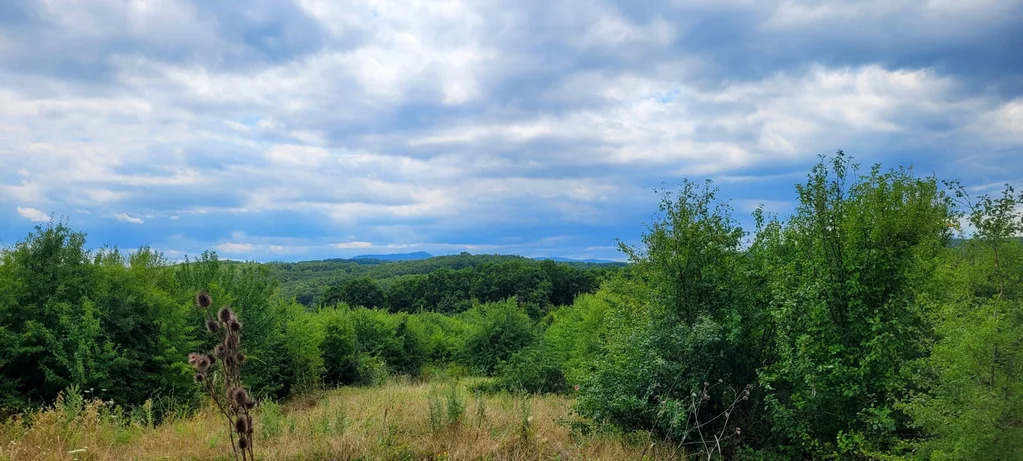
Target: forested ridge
column 882, row 319
column 444, row 283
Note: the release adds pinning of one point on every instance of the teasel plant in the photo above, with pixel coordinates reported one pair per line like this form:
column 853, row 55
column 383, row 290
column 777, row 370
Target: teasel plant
column 224, row 383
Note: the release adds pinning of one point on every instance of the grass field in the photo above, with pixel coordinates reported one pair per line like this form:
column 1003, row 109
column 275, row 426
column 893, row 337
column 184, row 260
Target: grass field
column 399, row 420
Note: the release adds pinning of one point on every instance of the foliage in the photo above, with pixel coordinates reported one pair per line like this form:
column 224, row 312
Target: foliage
column 857, row 254
column 504, row 329
column 362, row 291
column 338, row 348
column 95, row 320
column 971, row 400
column 560, row 359
column 446, row 284
column 680, row 320
column 857, row 327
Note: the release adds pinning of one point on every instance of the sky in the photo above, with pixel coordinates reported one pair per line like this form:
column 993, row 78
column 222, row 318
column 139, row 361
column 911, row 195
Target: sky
column 311, row 129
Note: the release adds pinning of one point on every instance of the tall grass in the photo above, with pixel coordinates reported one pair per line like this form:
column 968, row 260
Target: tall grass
column 387, row 422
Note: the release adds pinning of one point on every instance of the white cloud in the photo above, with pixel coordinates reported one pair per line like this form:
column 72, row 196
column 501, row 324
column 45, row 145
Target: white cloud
column 354, row 244
column 33, row 214
column 125, row 217
column 235, row 248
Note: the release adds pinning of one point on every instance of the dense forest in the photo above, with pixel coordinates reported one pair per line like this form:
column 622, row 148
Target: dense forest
column 442, row 283
column 882, row 319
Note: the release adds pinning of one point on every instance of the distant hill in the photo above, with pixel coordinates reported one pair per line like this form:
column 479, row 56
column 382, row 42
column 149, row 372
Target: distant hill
column 306, row 280
column 398, row 256
column 570, row 260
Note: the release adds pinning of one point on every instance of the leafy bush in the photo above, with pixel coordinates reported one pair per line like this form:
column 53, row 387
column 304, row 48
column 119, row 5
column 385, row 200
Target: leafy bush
column 971, row 385
column 103, row 321
column 857, row 256
column 536, row 369
column 339, row 348
column 561, row 359
column 680, row 318
column 503, row 330
column 362, row 292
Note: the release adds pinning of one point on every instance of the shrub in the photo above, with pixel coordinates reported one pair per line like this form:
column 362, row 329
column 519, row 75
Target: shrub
column 102, row 320
column 503, row 330
column 681, row 317
column 338, row 349
column 361, row 291
column 536, row 369
column 971, row 386
column 857, row 256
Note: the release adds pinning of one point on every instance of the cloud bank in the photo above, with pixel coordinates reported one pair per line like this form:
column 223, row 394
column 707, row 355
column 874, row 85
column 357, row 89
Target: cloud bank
column 313, row 129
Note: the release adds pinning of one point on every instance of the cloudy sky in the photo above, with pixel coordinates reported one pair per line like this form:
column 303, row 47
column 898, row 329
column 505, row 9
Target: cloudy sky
column 320, row 128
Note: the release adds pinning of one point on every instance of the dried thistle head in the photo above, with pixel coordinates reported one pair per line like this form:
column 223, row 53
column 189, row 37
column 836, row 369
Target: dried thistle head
column 220, row 350
column 203, row 299
column 241, row 425
column 225, row 315
column 243, row 443
column 199, row 377
column 193, row 358
column 239, row 396
column 234, row 325
column 202, row 363
column 212, row 326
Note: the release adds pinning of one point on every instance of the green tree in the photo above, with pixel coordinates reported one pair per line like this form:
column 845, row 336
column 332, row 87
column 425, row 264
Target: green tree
column 339, row 350
column 278, row 364
column 855, row 258
column 101, row 321
column 971, row 397
column 503, row 330
column 361, row 291
column 681, row 317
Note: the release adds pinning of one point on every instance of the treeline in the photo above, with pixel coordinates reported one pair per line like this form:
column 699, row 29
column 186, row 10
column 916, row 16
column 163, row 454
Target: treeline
column 537, row 285
column 441, row 283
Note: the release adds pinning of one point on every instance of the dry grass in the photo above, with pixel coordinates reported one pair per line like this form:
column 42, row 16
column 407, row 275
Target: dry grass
column 388, row 422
